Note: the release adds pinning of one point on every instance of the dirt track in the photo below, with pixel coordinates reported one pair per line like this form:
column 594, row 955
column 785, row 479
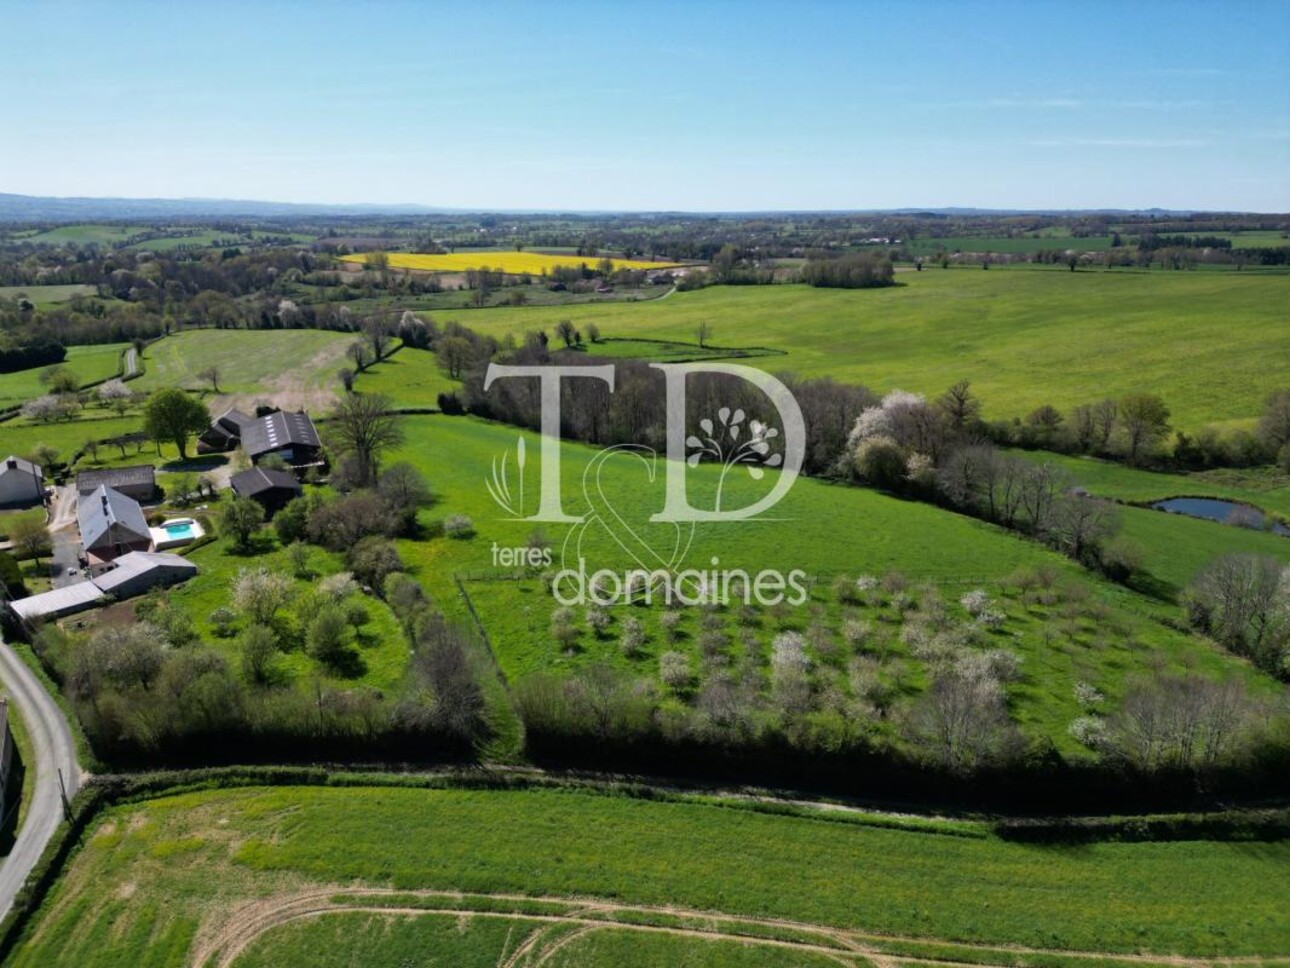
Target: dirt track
column 221, row 944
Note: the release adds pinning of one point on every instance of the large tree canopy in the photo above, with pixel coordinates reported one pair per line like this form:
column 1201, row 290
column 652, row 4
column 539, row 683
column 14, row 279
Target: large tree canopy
column 172, row 415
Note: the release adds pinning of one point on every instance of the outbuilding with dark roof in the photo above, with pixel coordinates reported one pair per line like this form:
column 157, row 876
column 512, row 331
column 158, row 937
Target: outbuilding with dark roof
column 291, row 436
column 138, row 482
column 271, row 488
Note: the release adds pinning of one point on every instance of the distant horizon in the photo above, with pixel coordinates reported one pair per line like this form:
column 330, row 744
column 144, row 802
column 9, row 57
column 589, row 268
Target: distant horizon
column 713, row 108
column 426, row 208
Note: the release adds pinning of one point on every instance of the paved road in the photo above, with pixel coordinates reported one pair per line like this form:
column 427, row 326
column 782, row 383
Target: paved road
column 131, row 362
column 51, row 740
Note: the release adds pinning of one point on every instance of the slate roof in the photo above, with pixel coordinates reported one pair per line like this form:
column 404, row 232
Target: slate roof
column 257, row 480
column 137, row 563
column 279, row 430
column 140, row 474
column 58, row 602
column 13, row 464
column 108, row 517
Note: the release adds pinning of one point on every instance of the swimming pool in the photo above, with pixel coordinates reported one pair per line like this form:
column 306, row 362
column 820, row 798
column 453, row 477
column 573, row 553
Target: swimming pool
column 176, row 532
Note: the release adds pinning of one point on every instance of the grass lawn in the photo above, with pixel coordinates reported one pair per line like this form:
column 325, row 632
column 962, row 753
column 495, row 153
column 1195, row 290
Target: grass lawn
column 295, row 367
column 90, row 363
column 1178, row 546
column 157, row 877
column 410, row 378
column 1004, row 244
column 22, row 437
column 1022, row 337
column 382, row 650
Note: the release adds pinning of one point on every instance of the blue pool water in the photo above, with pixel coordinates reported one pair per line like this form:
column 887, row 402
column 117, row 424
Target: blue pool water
column 181, row 529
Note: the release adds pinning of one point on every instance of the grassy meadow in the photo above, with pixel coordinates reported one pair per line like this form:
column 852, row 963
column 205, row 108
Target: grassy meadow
column 161, row 881
column 1023, row 337
column 1263, row 487
column 1092, row 631
column 296, row 367
column 500, row 260
column 89, row 363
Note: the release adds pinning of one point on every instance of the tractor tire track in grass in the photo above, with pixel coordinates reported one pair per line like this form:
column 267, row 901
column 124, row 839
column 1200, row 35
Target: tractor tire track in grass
column 559, row 921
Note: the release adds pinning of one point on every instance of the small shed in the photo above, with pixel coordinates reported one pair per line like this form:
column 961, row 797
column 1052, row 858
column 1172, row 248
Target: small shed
column 272, row 489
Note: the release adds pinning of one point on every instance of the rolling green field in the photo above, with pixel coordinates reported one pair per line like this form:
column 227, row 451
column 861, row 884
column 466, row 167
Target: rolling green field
column 296, row 367
column 21, row 437
column 90, row 363
column 1003, row 244
column 410, row 378
column 1023, row 337
column 84, row 234
column 47, row 295
column 203, row 876
column 826, row 531
column 1264, row 488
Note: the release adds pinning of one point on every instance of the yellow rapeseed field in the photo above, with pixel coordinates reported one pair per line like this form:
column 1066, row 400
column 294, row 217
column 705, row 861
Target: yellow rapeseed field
column 513, row 263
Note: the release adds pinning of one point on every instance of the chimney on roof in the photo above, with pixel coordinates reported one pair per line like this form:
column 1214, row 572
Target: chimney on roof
column 13, row 463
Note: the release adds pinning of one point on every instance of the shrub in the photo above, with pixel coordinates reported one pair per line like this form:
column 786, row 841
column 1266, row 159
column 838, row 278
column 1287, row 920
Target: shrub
column 337, row 586
column 458, row 526
column 372, row 560
column 259, row 649
column 975, row 602
column 259, row 593
column 856, row 633
column 632, row 639
column 1088, row 695
column 597, row 620
column 1089, row 730
column 674, row 669
column 222, row 620
column 328, row 636
column 845, row 591
column 670, row 622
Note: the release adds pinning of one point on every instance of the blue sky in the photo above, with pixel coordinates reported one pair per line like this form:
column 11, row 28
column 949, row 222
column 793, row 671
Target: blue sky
column 695, row 106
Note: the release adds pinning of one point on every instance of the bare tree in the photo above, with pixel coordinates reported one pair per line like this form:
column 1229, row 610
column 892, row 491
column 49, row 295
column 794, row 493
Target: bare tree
column 703, row 333
column 358, row 353
column 1243, row 601
column 30, row 538
column 364, row 426
column 211, row 375
column 378, row 335
column 1080, row 524
column 962, row 722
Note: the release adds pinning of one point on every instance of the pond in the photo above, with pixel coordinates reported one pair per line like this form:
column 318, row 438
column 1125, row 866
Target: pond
column 1227, row 512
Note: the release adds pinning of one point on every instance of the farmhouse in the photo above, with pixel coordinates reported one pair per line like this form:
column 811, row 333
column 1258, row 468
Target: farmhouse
column 225, row 431
column 138, row 482
column 139, row 571
column 291, row 436
column 22, row 484
column 271, row 488
column 112, row 525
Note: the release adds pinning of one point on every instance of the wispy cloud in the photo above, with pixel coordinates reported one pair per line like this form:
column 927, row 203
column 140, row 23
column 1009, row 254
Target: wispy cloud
column 1118, row 143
